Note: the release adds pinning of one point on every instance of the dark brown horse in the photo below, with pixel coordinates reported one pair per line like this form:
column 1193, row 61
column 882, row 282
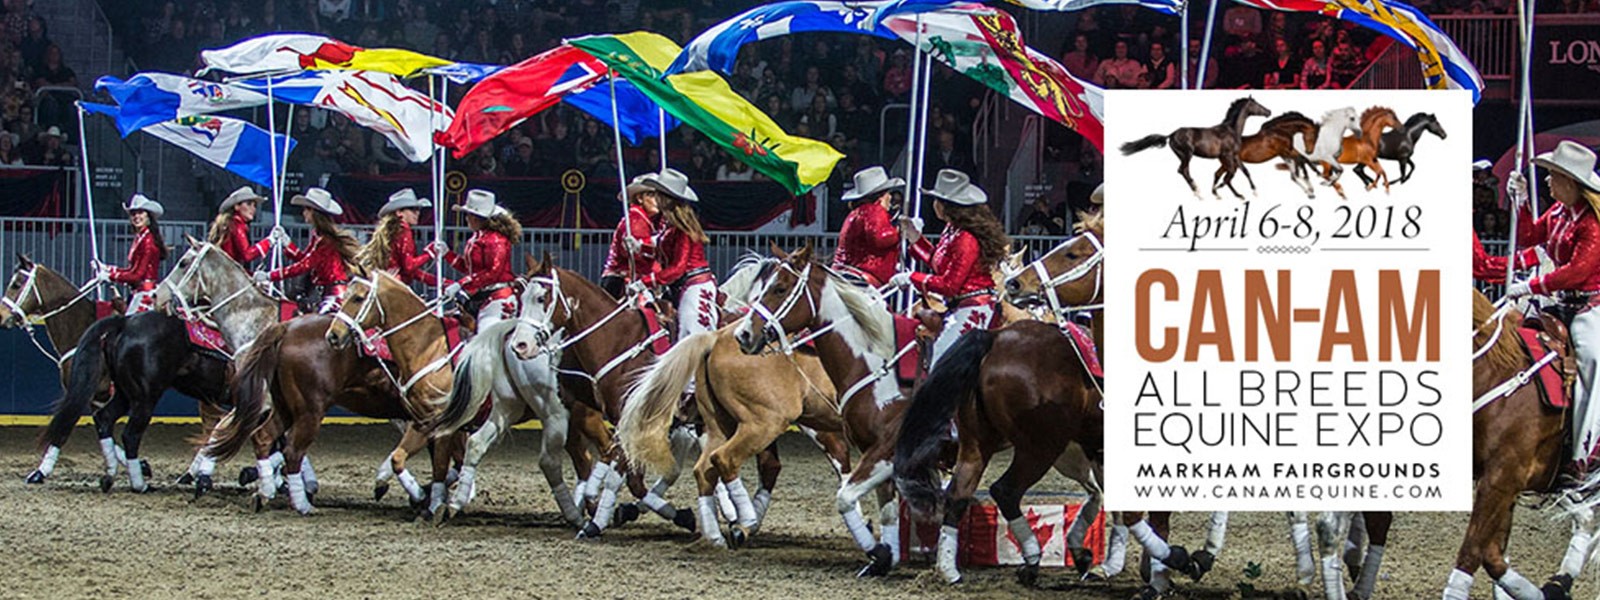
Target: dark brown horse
column 1275, row 139
column 1400, row 144
column 1220, row 141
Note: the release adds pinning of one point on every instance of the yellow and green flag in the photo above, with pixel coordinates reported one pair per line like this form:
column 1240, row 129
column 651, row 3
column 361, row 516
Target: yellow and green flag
column 704, row 100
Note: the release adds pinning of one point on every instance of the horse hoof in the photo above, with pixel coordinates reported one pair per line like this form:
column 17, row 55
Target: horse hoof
column 627, row 513
column 1178, row 560
column 35, row 478
column 105, row 483
column 737, row 536
column 882, row 560
column 379, row 491
column 1082, row 560
column 185, row 479
column 684, row 519
column 247, row 476
column 589, row 532
column 1028, row 575
column 1558, row 587
column 442, row 516
column 144, row 467
column 1201, row 563
column 257, row 503
column 202, row 486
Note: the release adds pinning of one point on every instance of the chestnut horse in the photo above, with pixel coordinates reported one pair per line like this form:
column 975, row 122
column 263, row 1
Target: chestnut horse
column 1362, row 150
column 1220, row 141
column 1275, row 139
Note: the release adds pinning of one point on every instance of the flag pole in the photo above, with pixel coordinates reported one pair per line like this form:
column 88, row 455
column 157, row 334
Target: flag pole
column 622, row 172
column 922, row 131
column 88, row 195
column 1527, row 107
column 288, row 134
column 434, row 170
column 911, row 144
column 1183, row 28
column 1205, row 46
column 661, row 134
column 1524, row 134
column 277, row 185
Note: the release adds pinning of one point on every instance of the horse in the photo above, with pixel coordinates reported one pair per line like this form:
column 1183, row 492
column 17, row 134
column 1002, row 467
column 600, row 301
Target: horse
column 1519, row 445
column 1219, row 141
column 1362, row 149
column 1327, row 143
column 1275, row 139
column 36, row 296
column 1398, row 145
column 746, row 403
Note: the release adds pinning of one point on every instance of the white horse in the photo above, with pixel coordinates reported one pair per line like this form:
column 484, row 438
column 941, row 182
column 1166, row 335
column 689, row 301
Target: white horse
column 1330, row 142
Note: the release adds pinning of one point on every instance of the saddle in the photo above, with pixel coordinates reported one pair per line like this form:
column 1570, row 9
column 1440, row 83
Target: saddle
column 656, row 318
column 1083, row 342
column 1540, row 336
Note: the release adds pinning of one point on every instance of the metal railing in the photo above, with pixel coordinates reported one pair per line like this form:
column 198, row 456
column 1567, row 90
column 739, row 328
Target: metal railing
column 1489, row 41
column 1397, row 68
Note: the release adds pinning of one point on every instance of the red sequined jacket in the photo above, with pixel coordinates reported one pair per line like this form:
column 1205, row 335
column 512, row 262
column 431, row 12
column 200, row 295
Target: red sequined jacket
column 677, row 256
column 1570, row 236
column 955, row 265
column 144, row 262
column 236, row 243
column 404, row 259
column 642, row 263
column 486, row 260
column 321, row 259
column 869, row 242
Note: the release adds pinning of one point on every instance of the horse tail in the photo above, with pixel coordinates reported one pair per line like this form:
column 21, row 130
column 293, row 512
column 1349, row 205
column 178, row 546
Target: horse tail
column 652, row 402
column 1154, row 140
column 473, row 380
column 83, row 379
column 252, row 404
column 952, row 383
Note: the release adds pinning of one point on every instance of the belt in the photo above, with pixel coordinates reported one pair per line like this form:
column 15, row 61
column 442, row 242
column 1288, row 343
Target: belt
column 694, row 276
column 143, row 286
column 984, row 296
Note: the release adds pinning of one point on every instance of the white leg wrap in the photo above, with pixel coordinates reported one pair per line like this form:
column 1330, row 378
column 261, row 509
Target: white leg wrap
column 743, row 508
column 466, row 489
column 1577, row 553
column 136, row 475
column 451, row 476
column 1153, row 544
column 858, row 529
column 122, row 455
column 109, row 450
column 1216, row 532
column 889, row 528
column 277, row 459
column 608, row 499
column 1333, row 578
column 597, row 480
column 266, row 484
column 1459, row 587
column 949, row 542
column 297, row 495
column 408, row 482
column 194, row 465
column 763, row 501
column 1518, row 586
column 385, row 470
column 1500, row 594
column 1367, row 583
column 275, row 467
column 1160, row 577
column 309, row 474
column 1116, row 551
column 1300, row 535
column 730, row 511
column 204, row 464
column 436, row 496
column 569, row 508
column 47, row 463
column 1023, row 532
column 710, row 527
column 659, row 505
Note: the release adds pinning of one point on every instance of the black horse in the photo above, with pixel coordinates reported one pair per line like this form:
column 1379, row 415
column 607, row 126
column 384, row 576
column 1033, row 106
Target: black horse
column 1399, row 144
column 141, row 356
column 1220, row 141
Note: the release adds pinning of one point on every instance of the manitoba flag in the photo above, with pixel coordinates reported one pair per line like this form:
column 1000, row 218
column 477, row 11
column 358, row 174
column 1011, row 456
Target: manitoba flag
column 500, row 101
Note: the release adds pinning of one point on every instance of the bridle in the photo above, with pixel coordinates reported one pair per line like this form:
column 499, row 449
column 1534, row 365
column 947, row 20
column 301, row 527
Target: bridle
column 186, row 305
column 1048, row 282
column 774, row 318
column 30, row 287
column 370, row 341
column 1515, row 382
column 545, row 333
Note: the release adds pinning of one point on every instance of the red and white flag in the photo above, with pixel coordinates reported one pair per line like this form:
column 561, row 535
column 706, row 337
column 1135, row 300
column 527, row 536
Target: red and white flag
column 500, row 101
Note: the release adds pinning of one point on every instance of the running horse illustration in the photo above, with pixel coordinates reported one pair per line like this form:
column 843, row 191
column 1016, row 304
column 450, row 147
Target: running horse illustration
column 1221, row 141
column 1275, row 139
column 1325, row 146
column 1362, row 149
column 1398, row 145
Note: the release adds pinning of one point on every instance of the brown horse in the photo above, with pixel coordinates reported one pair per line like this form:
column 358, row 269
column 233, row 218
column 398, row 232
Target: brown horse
column 1519, row 445
column 1220, row 141
column 1362, row 150
column 1275, row 139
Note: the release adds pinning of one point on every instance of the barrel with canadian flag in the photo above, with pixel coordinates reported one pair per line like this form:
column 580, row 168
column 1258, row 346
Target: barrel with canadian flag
column 987, row 542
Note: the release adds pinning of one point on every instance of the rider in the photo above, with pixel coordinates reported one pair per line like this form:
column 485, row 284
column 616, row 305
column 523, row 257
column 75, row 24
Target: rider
column 144, row 256
column 868, row 241
column 972, row 243
column 681, row 252
column 330, row 251
column 633, row 244
column 393, row 247
column 1570, row 234
column 230, row 231
column 486, row 259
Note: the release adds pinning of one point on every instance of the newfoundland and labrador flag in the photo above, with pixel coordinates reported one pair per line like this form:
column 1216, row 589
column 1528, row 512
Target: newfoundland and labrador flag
column 377, row 101
column 222, row 141
column 292, row 52
column 704, row 100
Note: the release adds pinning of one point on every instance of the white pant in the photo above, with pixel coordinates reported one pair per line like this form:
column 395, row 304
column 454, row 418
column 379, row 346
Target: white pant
column 957, row 322
column 140, row 302
column 495, row 311
column 1585, row 334
column 697, row 309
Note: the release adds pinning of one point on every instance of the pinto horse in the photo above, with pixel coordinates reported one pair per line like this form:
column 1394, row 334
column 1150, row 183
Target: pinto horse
column 1221, row 141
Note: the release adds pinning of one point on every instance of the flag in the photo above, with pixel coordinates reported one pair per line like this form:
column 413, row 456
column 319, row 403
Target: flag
column 377, row 101
column 984, row 44
column 222, row 141
column 636, row 112
column 293, row 52
column 1444, row 66
column 909, row 8
column 717, row 48
column 149, row 98
column 703, row 100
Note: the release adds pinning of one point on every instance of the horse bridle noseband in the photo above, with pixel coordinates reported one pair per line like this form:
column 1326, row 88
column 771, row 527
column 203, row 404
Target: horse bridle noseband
column 545, row 331
column 370, row 341
column 30, row 287
column 1049, row 282
column 774, row 318
column 186, row 305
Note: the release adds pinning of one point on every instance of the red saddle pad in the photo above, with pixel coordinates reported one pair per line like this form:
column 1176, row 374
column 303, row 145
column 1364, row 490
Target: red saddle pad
column 653, row 322
column 1555, row 389
column 905, row 332
column 1085, row 343
column 206, row 336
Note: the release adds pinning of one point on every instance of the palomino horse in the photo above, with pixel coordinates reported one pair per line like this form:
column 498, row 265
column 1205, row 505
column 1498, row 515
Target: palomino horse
column 1275, row 139
column 746, row 402
column 37, row 295
column 1362, row 149
column 1219, row 141
column 1399, row 144
column 1519, row 445
column 1327, row 143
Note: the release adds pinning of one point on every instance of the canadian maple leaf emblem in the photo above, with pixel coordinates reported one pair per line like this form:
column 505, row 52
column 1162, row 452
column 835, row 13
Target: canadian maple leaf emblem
column 750, row 145
column 1042, row 531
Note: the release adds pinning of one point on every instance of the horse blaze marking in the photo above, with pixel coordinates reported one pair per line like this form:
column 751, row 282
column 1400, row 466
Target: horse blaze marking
column 1267, row 314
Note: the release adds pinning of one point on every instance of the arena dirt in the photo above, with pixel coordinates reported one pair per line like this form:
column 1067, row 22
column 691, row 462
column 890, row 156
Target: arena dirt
column 67, row 540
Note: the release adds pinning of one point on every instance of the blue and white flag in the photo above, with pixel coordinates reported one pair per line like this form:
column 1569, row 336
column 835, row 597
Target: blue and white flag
column 377, row 101
column 911, row 7
column 637, row 113
column 717, row 49
column 222, row 141
column 150, row 98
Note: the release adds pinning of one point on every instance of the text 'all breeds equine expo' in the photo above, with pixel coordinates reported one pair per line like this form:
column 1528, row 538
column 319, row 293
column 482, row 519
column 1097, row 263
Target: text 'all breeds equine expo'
column 1286, row 300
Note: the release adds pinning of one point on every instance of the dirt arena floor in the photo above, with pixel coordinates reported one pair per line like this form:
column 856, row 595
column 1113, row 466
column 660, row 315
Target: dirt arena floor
column 65, row 539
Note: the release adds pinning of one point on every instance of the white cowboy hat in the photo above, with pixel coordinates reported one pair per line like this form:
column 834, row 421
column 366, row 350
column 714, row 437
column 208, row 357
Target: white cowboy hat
column 319, row 200
column 1482, row 164
column 669, row 181
column 1098, row 196
column 479, row 203
column 53, row 131
column 243, row 194
column 403, row 199
column 144, row 203
column 870, row 182
column 956, row 188
column 1574, row 160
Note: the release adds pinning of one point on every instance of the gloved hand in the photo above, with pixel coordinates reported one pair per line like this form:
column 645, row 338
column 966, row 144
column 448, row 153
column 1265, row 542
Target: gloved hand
column 1519, row 289
column 261, row 277
column 1517, row 188
column 901, row 280
column 102, row 272
column 438, row 248
column 632, row 244
column 637, row 287
column 452, row 290
column 911, row 228
column 279, row 236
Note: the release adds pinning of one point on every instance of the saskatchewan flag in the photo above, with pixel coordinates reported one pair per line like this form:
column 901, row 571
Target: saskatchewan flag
column 703, row 100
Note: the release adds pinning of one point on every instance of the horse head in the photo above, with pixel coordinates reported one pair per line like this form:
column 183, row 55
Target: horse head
column 1374, row 120
column 1431, row 124
column 545, row 309
column 1068, row 277
column 783, row 300
column 1243, row 109
column 22, row 295
column 203, row 275
column 375, row 302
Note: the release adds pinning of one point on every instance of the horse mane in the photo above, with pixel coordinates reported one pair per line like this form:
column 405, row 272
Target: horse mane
column 1093, row 222
column 573, row 279
column 45, row 274
column 1327, row 116
column 868, row 309
column 1234, row 110
column 752, row 267
column 1285, row 118
column 1370, row 117
column 1418, row 118
column 1506, row 356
